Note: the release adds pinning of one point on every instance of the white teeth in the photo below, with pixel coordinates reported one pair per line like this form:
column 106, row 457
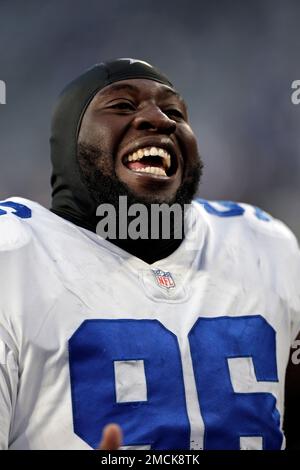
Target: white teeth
column 167, row 159
column 151, row 151
column 154, row 170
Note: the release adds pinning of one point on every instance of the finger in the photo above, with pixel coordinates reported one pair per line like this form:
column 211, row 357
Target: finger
column 111, row 437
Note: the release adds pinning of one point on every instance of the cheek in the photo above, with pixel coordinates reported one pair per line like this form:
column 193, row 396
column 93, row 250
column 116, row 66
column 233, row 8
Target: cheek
column 100, row 136
column 99, row 133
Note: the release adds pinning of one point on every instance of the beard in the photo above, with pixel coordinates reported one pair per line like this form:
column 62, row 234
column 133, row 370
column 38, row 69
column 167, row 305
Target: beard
column 97, row 170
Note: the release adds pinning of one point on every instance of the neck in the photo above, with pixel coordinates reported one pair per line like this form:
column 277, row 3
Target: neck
column 149, row 251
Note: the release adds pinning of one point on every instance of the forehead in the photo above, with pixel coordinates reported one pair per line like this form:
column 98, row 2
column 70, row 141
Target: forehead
column 142, row 88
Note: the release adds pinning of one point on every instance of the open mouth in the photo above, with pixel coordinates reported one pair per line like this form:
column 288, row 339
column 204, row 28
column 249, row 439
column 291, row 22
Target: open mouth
column 151, row 160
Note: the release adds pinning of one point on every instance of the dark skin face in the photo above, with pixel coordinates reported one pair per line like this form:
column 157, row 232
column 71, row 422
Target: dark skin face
column 138, row 114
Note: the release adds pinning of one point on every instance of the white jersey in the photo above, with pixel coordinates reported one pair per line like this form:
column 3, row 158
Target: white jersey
column 187, row 353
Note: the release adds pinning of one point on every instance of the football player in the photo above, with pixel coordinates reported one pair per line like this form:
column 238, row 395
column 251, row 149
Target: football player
column 182, row 342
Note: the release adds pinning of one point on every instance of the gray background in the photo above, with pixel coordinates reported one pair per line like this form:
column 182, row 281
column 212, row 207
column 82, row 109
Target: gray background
column 233, row 61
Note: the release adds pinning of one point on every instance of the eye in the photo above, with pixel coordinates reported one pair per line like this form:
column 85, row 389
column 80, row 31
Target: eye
column 123, row 106
column 173, row 112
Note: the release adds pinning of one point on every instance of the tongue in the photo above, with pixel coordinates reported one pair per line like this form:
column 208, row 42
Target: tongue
column 137, row 165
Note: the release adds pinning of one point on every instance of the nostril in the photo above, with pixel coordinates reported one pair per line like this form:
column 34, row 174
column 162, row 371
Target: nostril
column 145, row 125
column 162, row 124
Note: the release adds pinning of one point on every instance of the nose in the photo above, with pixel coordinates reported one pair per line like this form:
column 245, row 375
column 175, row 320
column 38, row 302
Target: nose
column 152, row 118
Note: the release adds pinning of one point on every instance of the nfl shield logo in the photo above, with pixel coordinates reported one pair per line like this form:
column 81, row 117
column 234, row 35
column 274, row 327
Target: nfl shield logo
column 164, row 278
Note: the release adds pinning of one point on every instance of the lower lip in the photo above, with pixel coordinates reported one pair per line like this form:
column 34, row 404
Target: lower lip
column 148, row 175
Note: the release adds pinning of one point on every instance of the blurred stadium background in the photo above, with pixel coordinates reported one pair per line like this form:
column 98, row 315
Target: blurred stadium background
column 233, row 61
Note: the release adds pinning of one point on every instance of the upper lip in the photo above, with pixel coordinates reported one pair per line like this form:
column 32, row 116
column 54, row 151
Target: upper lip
column 152, row 141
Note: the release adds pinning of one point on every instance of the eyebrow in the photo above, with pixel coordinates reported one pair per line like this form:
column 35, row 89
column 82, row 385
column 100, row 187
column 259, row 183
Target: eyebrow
column 124, row 86
column 121, row 86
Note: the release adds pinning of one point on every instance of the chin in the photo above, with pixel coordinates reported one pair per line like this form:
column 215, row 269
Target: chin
column 153, row 197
